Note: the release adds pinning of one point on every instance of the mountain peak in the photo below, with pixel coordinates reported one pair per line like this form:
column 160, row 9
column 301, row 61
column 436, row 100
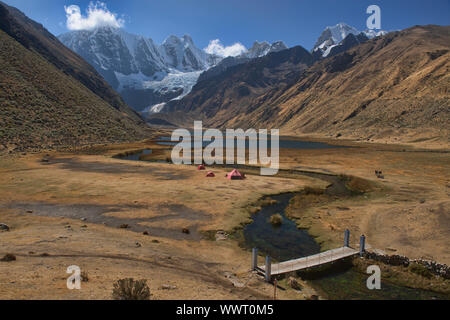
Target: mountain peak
column 278, row 46
column 172, row 39
column 260, row 49
column 188, row 38
column 333, row 36
column 337, row 33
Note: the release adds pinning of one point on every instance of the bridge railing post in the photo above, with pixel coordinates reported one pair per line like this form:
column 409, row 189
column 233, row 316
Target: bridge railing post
column 347, row 238
column 362, row 245
column 268, row 269
column 254, row 259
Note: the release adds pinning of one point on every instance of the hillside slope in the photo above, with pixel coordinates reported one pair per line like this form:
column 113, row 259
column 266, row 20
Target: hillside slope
column 46, row 101
column 35, row 37
column 235, row 93
column 391, row 88
column 394, row 88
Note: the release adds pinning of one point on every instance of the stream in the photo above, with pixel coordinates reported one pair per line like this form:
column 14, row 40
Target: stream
column 341, row 282
column 285, row 242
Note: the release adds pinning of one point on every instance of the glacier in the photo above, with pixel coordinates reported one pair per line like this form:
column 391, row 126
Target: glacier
column 334, row 35
column 145, row 73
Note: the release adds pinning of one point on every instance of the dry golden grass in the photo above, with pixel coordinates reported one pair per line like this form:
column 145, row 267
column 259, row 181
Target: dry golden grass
column 171, row 198
column 145, row 191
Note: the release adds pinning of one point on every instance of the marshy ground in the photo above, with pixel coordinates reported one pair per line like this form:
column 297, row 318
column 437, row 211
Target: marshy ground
column 72, row 209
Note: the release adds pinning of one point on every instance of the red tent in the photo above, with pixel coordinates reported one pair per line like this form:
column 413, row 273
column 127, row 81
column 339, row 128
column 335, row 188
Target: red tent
column 210, row 174
column 235, row 175
column 201, row 167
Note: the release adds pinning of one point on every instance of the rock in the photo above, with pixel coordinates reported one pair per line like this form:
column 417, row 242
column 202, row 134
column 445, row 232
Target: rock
column 185, row 231
column 138, row 245
column 4, row 227
column 168, row 287
column 314, row 297
column 221, row 236
column 294, row 284
column 155, row 241
column 237, row 284
column 29, row 211
column 83, row 219
column 276, row 220
column 145, row 233
column 229, row 274
column 8, row 258
column 124, row 226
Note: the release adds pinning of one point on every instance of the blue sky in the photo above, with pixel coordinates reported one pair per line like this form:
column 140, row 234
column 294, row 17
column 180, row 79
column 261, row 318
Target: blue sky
column 296, row 22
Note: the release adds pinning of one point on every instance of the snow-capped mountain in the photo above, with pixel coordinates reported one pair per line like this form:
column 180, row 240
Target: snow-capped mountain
column 181, row 54
column 124, row 58
column 332, row 37
column 260, row 49
column 146, row 74
column 134, row 63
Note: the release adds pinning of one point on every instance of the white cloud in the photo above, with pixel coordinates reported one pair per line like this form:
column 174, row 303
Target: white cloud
column 217, row 48
column 98, row 15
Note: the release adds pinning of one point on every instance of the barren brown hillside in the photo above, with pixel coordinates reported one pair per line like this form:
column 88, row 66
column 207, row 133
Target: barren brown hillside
column 41, row 107
column 393, row 88
column 50, row 97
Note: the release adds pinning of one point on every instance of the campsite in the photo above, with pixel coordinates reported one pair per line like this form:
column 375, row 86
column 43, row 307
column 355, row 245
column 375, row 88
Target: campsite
column 69, row 210
column 219, row 150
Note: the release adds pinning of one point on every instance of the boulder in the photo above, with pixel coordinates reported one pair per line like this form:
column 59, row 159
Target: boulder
column 294, row 284
column 8, row 258
column 221, row 236
column 4, row 227
column 168, row 287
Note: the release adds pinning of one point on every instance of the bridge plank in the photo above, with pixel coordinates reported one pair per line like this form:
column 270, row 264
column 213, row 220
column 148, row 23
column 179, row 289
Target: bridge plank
column 312, row 261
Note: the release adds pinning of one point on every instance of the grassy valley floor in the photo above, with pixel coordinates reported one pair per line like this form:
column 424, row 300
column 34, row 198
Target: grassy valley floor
column 68, row 209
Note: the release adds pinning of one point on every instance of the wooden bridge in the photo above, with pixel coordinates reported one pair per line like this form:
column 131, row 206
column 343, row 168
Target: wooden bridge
column 315, row 260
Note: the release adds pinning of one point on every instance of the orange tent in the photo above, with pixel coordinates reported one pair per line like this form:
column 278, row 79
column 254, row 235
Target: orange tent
column 201, row 167
column 235, row 175
column 210, row 174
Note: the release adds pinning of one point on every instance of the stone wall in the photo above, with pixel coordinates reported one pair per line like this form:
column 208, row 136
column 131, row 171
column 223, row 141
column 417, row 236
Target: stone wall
column 398, row 260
